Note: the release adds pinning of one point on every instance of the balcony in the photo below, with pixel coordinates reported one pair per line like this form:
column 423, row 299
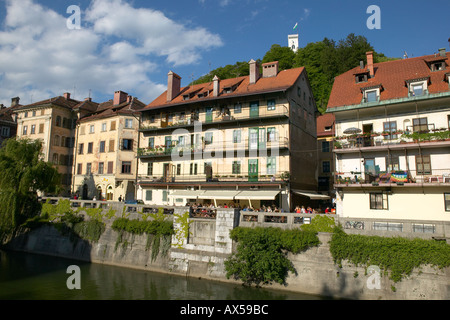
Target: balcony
column 220, row 177
column 227, row 146
column 435, row 177
column 174, row 121
column 395, row 139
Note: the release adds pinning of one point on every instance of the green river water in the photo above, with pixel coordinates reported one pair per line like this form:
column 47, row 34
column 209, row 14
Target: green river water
column 25, row 276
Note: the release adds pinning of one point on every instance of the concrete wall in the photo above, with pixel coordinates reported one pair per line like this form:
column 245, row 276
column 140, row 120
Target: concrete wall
column 203, row 253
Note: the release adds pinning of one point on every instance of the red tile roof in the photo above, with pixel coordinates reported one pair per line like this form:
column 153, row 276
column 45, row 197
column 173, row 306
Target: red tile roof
column 323, row 121
column 392, row 76
column 283, row 81
column 108, row 109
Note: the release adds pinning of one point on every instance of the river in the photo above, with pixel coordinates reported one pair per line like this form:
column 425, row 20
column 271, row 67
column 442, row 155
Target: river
column 26, row 276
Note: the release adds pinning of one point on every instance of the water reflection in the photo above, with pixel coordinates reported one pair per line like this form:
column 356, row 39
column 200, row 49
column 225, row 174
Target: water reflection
column 30, row 276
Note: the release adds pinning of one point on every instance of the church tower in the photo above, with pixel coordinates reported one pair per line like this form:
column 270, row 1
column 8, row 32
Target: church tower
column 293, row 42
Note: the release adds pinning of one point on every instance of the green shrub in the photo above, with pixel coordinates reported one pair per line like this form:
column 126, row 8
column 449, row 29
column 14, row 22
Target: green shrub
column 397, row 256
column 261, row 255
column 320, row 223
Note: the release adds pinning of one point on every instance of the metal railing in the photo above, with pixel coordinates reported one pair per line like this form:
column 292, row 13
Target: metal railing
column 272, row 143
column 395, row 177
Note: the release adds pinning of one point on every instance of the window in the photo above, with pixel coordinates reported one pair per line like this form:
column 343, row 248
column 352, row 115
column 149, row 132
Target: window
column 151, row 142
column 101, row 167
column 128, row 123
column 113, row 125
column 325, row 146
column 126, row 167
column 423, row 164
column 417, row 90
column 104, row 126
column 102, row 146
column 193, row 169
column 271, row 165
column 178, row 169
column 236, row 167
column 111, row 146
column 5, row 131
column 150, row 168
column 164, row 196
column 148, row 195
column 209, row 137
column 56, row 141
column 420, row 125
column 392, row 164
column 361, row 78
column 237, row 108
column 33, row 129
column 378, row 201
column 58, row 121
column 55, row 158
column 326, row 167
column 41, row 128
column 271, row 134
column 90, row 147
column 34, row 113
column 270, row 105
column 236, row 136
column 110, row 167
column 25, row 130
column 447, row 201
column 91, row 128
column 390, row 127
column 88, row 168
column 299, row 91
column 438, row 66
column 127, row 144
column 371, row 96
column 80, row 168
column 80, row 148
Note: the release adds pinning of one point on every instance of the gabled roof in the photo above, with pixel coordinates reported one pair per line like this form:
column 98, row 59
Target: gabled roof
column 108, row 109
column 393, row 77
column 324, row 121
column 57, row 101
column 284, row 80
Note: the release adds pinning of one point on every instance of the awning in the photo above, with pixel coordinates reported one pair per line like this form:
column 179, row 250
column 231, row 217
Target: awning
column 218, row 194
column 257, row 195
column 191, row 194
column 312, row 195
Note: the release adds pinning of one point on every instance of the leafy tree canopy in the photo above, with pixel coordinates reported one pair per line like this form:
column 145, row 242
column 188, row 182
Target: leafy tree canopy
column 323, row 60
column 23, row 174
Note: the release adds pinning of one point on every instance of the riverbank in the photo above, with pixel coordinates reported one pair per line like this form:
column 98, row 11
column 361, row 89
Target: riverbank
column 201, row 254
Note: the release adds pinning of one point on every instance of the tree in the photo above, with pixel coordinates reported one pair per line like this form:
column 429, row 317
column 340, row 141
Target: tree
column 284, row 55
column 23, row 174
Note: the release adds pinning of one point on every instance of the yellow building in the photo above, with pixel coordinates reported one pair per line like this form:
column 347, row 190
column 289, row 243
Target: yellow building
column 249, row 140
column 52, row 121
column 106, row 144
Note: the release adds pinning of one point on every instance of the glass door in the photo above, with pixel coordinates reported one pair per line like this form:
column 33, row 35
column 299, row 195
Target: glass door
column 254, row 109
column 209, row 114
column 253, row 170
column 253, row 139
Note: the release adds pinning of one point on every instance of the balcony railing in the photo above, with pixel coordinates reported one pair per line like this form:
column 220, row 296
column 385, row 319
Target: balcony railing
column 222, row 176
column 173, row 120
column 397, row 177
column 374, row 139
column 216, row 146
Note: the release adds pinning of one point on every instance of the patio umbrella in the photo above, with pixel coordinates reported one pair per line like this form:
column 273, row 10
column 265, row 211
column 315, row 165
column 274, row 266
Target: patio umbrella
column 352, row 131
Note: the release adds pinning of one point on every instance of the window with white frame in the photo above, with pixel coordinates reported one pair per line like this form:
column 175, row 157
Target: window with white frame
column 371, row 95
column 129, row 123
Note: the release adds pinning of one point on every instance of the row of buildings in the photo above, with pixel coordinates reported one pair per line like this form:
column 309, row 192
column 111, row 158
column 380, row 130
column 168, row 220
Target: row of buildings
column 381, row 150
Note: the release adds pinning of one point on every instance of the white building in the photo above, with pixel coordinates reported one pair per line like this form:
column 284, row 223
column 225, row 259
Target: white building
column 392, row 140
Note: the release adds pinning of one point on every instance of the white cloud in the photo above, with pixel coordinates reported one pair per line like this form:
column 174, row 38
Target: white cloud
column 117, row 49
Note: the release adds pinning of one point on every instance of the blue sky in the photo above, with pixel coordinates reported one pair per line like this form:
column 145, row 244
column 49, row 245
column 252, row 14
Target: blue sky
column 131, row 45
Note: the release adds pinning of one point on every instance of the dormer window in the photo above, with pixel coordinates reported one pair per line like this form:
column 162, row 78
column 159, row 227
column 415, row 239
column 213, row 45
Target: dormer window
column 438, row 66
column 371, row 94
column 361, row 78
column 417, row 87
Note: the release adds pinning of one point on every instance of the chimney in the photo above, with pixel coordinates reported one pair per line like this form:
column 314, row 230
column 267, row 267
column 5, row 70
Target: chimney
column 442, row 52
column 254, row 71
column 15, row 101
column 361, row 64
column 270, row 69
column 173, row 85
column 216, row 88
column 370, row 63
column 67, row 95
column 120, row 97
